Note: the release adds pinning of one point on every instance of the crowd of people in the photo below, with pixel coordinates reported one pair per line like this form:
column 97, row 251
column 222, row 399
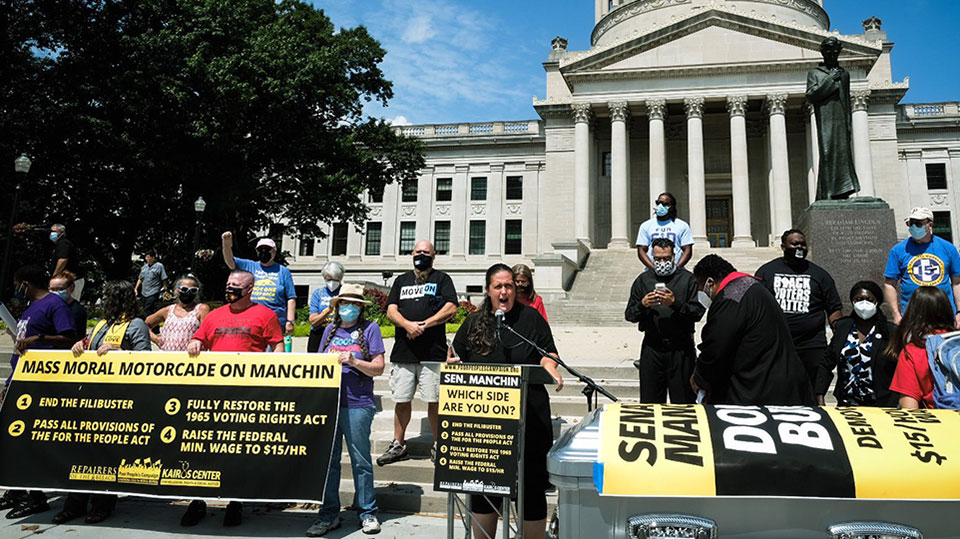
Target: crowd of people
column 764, row 341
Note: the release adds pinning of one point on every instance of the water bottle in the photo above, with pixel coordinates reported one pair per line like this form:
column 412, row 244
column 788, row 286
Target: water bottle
column 288, row 344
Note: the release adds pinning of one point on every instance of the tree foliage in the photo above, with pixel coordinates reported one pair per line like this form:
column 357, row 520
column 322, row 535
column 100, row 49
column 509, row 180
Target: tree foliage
column 132, row 109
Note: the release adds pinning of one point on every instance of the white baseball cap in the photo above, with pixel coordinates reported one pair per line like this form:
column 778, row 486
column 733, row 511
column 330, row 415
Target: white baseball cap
column 920, row 213
column 266, row 241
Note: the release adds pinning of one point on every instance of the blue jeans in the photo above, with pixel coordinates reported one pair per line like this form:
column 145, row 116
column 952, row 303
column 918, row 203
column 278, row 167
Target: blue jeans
column 354, row 426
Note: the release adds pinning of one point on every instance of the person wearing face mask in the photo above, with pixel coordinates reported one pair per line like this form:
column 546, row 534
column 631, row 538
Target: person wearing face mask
column 420, row 303
column 665, row 224
column 746, row 350
column 663, row 303
column 273, row 287
column 360, row 345
column 45, row 324
column 806, row 294
column 858, row 352
column 525, row 292
column 63, row 284
column 180, row 320
column 923, row 259
column 320, row 302
column 66, row 258
column 239, row 326
column 477, row 342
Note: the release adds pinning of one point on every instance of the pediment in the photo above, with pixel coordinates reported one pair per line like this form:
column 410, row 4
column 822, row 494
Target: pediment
column 716, row 38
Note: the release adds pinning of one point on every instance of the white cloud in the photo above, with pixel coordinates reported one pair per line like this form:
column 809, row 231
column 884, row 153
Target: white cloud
column 399, row 120
column 418, row 30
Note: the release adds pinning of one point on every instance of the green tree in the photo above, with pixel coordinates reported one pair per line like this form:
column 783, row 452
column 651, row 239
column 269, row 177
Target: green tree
column 133, row 109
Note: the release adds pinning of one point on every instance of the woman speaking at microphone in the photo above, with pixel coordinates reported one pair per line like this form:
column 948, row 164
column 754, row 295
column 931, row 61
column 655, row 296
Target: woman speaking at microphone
column 477, row 342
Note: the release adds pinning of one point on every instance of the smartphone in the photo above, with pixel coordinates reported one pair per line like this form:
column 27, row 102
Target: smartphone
column 660, row 287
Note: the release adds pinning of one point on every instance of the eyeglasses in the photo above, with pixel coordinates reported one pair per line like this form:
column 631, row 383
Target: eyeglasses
column 189, row 289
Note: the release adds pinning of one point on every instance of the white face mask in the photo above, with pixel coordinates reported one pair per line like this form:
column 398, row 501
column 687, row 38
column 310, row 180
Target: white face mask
column 704, row 298
column 865, row 309
column 333, row 285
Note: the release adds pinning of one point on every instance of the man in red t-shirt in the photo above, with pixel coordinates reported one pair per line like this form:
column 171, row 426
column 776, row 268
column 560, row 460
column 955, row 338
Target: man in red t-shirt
column 239, row 326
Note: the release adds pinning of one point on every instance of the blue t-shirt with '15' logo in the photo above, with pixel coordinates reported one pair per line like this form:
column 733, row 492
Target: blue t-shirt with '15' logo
column 923, row 264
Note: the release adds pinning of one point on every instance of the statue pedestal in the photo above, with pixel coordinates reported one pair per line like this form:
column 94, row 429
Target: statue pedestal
column 850, row 239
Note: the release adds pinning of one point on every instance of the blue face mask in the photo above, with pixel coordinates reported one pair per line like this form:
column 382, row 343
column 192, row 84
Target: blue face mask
column 918, row 232
column 661, row 210
column 54, row 236
column 62, row 294
column 349, row 313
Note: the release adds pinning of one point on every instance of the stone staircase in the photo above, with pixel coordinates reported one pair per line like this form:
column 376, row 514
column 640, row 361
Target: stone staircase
column 600, row 291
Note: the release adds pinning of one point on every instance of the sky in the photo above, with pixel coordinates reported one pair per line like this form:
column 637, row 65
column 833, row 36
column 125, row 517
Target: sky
column 473, row 61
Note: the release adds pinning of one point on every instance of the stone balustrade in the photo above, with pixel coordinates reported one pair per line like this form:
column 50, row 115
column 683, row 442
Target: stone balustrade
column 527, row 127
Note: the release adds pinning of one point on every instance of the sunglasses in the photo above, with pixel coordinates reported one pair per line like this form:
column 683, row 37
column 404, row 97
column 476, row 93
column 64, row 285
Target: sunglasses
column 188, row 289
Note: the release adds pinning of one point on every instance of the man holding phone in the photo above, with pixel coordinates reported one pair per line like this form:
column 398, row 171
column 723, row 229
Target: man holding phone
column 663, row 303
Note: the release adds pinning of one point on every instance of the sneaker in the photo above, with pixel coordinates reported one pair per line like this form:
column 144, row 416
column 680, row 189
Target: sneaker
column 11, row 499
column 194, row 513
column 433, row 453
column 234, row 514
column 394, row 453
column 370, row 526
column 319, row 528
column 28, row 506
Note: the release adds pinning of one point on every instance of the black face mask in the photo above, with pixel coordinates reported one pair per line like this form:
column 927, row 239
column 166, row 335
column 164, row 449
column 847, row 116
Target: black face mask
column 423, row 262
column 795, row 254
column 263, row 256
column 187, row 297
column 233, row 294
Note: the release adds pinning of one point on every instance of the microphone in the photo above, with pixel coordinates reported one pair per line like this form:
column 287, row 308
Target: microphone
column 499, row 314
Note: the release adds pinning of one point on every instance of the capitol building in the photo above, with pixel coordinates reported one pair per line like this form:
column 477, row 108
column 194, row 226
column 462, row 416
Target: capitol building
column 702, row 98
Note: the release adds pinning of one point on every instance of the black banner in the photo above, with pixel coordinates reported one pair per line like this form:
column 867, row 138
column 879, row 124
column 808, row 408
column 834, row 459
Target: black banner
column 479, row 429
column 239, row 426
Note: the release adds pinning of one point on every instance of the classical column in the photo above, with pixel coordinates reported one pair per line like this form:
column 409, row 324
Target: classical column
column 657, row 111
column 582, row 211
column 695, row 170
column 391, row 218
column 863, row 161
column 737, row 107
column 619, row 190
column 813, row 151
column 495, row 199
column 780, row 164
column 459, row 213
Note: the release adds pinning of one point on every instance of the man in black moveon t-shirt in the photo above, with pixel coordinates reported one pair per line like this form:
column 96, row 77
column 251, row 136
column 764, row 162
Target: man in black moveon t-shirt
column 805, row 292
column 421, row 301
column 65, row 257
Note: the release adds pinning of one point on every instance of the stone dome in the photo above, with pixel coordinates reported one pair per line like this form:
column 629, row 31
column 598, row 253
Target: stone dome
column 622, row 19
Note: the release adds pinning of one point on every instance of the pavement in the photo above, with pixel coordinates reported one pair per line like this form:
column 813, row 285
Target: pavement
column 150, row 519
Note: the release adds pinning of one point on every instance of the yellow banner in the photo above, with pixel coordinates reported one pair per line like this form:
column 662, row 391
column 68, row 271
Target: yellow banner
column 901, row 454
column 656, row 450
column 178, row 368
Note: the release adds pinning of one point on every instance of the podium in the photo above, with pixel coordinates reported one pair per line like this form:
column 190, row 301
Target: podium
column 481, row 447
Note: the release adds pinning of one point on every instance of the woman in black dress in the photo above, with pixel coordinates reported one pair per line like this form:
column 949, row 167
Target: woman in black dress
column 476, row 342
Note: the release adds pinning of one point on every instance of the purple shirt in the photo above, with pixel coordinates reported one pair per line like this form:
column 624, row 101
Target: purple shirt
column 49, row 315
column 357, row 388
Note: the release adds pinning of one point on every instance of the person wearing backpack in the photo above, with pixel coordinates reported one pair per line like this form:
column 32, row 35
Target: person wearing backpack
column 858, row 352
column 929, row 312
column 360, row 345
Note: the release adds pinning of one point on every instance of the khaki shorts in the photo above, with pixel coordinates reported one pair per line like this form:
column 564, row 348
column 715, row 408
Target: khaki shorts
column 404, row 378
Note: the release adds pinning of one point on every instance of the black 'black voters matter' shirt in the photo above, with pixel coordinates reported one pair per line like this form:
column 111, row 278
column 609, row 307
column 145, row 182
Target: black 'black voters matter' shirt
column 806, row 293
column 417, row 302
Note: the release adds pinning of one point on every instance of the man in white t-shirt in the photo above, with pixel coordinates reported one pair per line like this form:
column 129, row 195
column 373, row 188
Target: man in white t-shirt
column 665, row 224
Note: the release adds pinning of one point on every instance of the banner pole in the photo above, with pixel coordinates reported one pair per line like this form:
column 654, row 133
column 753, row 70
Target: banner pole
column 451, row 516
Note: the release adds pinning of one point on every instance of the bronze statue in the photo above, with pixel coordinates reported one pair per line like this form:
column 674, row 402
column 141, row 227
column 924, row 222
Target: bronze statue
column 828, row 89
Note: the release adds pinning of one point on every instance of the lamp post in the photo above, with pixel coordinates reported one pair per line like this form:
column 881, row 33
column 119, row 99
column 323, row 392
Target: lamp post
column 198, row 206
column 22, row 166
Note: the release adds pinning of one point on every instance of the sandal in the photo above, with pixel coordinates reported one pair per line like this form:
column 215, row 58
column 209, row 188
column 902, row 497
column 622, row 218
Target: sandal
column 27, row 507
column 97, row 516
column 66, row 516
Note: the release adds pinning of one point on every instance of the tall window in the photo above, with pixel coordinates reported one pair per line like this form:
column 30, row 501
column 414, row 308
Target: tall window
column 512, row 242
column 444, row 189
column 478, row 189
column 373, row 238
column 376, row 195
column 441, row 237
column 339, row 239
column 936, row 176
column 514, row 187
column 410, row 191
column 606, row 164
column 478, row 237
column 306, row 246
column 941, row 225
column 408, row 237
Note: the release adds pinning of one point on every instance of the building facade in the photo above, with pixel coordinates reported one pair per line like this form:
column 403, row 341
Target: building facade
column 702, row 98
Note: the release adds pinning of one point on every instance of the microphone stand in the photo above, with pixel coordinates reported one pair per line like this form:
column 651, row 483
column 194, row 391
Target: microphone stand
column 590, row 388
